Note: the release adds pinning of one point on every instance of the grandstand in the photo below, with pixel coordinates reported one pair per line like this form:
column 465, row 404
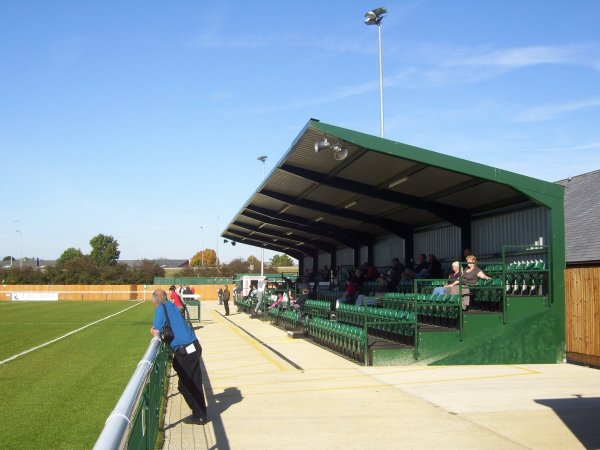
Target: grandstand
column 387, row 199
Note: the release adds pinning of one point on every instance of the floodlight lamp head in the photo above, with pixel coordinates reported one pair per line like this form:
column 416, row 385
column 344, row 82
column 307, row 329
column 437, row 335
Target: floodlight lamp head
column 262, row 158
column 375, row 16
column 225, row 241
column 339, row 153
column 321, row 145
column 233, row 243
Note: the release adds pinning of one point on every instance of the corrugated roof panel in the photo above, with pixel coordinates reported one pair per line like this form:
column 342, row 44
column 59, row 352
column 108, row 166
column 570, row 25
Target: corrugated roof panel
column 372, row 168
column 484, row 194
column 430, row 181
column 288, row 184
column 330, row 196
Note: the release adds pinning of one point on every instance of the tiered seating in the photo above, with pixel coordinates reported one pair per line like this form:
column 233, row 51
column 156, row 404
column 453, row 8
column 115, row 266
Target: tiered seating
column 397, row 300
column 394, row 325
column 488, row 295
column 406, row 286
column 317, row 308
column 426, row 285
column 246, row 305
column 345, row 339
column 288, row 319
column 526, row 278
column 442, row 310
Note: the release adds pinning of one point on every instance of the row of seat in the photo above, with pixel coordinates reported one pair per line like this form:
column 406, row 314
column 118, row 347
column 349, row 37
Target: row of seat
column 526, row 278
column 393, row 325
column 246, row 305
column 317, row 308
column 435, row 309
column 342, row 338
column 288, row 319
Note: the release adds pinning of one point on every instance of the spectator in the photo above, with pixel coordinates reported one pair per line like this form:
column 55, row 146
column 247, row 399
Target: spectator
column 394, row 273
column 371, row 273
column 176, row 299
column 299, row 303
column 186, row 356
column 432, row 270
column 470, row 276
column 421, row 264
column 451, row 287
column 220, row 295
column 225, row 296
column 236, row 293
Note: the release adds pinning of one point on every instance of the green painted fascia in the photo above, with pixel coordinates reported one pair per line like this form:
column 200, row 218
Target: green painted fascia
column 541, row 191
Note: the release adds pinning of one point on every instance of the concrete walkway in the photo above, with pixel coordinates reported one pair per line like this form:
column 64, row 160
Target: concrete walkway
column 267, row 391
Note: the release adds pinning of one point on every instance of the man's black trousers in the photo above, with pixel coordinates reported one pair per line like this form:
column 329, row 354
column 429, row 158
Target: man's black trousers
column 188, row 370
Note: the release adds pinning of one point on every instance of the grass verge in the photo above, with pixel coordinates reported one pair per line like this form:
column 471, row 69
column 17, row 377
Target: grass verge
column 60, row 396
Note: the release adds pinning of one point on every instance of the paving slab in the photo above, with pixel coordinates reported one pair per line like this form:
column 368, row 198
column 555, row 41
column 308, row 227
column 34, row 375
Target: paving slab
column 268, row 391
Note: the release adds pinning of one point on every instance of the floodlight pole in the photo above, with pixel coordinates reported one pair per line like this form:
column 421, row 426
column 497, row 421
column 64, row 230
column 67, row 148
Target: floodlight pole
column 380, row 78
column 263, row 159
column 202, row 234
column 375, row 17
column 21, row 259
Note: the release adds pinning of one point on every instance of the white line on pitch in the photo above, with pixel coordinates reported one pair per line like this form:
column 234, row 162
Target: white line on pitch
column 66, row 335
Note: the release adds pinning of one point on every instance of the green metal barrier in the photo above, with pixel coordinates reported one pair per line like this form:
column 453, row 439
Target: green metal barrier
column 134, row 423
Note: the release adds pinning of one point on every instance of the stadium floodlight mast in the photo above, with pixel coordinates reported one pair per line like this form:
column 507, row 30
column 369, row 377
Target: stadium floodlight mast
column 263, row 160
column 375, row 17
column 21, row 259
column 202, row 239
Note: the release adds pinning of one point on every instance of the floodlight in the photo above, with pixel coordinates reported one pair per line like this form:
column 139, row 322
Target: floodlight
column 321, row 145
column 339, row 153
column 374, row 17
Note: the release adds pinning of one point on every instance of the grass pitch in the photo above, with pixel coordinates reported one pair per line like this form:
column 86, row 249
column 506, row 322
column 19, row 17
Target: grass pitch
column 60, row 395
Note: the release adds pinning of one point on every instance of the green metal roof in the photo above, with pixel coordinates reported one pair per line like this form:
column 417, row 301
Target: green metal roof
column 311, row 202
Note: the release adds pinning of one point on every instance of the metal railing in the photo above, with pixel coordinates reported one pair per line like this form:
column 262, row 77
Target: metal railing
column 134, row 423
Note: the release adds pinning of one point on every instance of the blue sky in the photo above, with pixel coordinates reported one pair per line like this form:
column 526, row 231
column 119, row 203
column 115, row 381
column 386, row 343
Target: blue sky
column 143, row 120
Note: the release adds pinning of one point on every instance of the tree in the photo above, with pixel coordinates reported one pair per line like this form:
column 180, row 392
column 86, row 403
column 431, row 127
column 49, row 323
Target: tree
column 67, row 255
column 146, row 271
column 281, row 261
column 206, row 257
column 253, row 264
column 236, row 266
column 105, row 250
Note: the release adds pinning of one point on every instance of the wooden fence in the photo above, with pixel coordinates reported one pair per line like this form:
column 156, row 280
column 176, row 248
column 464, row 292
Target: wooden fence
column 582, row 294
column 104, row 292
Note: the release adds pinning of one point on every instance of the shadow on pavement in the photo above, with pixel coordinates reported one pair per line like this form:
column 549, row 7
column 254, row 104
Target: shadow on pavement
column 216, row 405
column 581, row 415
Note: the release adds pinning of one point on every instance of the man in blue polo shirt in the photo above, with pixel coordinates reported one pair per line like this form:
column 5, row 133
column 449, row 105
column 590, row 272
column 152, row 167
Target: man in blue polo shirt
column 186, row 359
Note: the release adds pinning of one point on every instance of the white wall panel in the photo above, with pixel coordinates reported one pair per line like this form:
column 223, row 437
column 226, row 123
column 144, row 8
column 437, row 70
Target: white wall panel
column 443, row 242
column 386, row 248
column 345, row 256
column 521, row 227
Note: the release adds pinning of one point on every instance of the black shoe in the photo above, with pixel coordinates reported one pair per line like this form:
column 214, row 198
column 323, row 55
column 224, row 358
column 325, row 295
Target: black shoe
column 195, row 420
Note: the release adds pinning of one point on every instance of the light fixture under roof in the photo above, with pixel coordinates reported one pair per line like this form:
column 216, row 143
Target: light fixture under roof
column 321, row 144
column 339, row 153
column 318, row 219
column 262, row 225
column 397, row 182
column 350, row 205
column 289, row 233
column 284, row 209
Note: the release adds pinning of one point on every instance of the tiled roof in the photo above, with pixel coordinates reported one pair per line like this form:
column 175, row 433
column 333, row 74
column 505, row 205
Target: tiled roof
column 582, row 218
